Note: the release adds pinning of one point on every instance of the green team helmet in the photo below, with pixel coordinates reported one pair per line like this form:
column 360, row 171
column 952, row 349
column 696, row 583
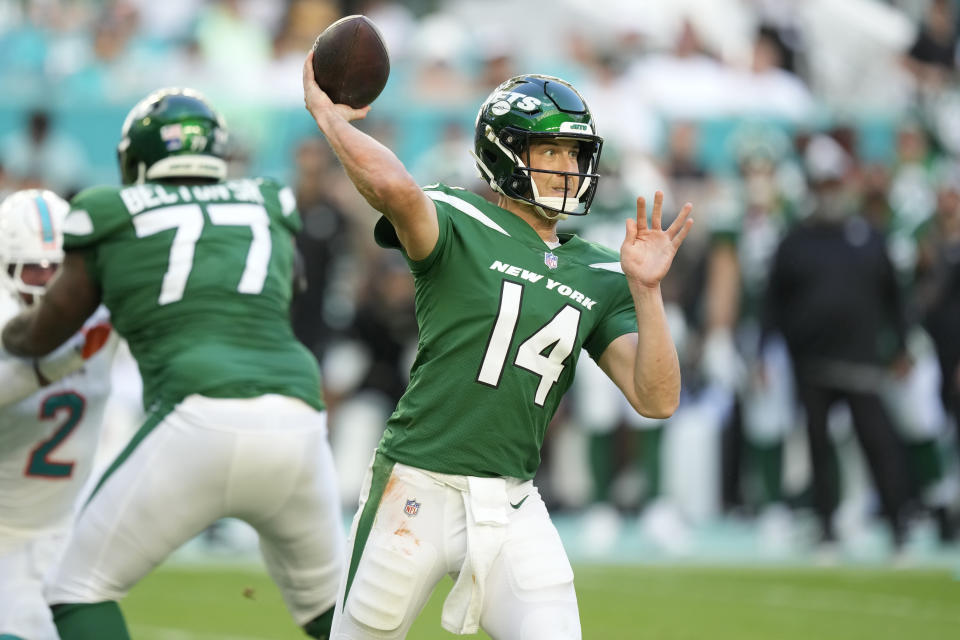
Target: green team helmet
column 172, row 133
column 526, row 109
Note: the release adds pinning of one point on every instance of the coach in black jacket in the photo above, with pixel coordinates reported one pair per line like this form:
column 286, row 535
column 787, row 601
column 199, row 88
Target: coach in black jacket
column 833, row 296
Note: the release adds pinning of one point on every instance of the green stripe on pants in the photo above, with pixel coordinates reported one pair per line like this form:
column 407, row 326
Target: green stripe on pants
column 155, row 418
column 382, row 468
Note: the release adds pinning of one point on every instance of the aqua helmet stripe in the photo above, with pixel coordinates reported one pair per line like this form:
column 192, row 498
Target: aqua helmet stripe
column 46, row 222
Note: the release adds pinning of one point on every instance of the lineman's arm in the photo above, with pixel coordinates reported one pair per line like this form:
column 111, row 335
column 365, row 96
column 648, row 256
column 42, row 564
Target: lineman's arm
column 723, row 287
column 375, row 171
column 70, row 299
column 721, row 361
column 23, row 377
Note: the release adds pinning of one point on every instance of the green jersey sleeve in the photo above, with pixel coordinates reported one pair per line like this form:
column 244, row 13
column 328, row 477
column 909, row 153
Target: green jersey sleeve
column 95, row 214
column 386, row 236
column 620, row 320
column 279, row 197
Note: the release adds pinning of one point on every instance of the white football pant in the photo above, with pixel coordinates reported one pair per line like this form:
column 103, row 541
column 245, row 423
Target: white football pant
column 493, row 536
column 263, row 460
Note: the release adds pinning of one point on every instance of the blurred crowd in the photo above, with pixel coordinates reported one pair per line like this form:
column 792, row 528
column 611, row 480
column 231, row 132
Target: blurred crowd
column 815, row 304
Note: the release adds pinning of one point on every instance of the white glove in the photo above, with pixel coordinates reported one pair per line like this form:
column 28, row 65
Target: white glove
column 721, row 363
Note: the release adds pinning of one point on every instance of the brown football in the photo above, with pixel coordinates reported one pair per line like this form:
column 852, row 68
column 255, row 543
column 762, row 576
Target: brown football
column 350, row 61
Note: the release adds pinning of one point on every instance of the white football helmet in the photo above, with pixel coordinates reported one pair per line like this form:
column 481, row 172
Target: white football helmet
column 31, row 232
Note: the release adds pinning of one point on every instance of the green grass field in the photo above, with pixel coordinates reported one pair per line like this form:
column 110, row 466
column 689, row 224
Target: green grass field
column 616, row 603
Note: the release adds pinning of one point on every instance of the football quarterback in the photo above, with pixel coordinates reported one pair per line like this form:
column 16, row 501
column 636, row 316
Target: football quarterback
column 505, row 305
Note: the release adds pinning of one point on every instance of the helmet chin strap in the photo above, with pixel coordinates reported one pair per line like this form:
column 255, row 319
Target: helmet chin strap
column 558, row 206
column 556, row 215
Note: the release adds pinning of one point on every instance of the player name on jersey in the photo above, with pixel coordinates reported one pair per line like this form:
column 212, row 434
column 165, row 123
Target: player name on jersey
column 148, row 196
column 551, row 284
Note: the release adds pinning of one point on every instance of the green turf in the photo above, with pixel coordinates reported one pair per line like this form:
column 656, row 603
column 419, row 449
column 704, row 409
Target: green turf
column 662, row 603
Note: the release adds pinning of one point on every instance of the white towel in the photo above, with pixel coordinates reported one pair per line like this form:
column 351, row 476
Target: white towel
column 485, row 502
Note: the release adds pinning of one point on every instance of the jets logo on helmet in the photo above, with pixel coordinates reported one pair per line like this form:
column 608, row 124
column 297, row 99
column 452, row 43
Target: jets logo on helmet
column 527, row 109
column 172, row 133
column 31, row 233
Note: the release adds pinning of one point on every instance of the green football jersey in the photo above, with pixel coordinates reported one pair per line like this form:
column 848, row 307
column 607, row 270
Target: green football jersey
column 502, row 321
column 755, row 235
column 198, row 279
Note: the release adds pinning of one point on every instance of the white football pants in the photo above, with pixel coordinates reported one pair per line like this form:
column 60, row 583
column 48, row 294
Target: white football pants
column 493, row 536
column 23, row 568
column 263, row 460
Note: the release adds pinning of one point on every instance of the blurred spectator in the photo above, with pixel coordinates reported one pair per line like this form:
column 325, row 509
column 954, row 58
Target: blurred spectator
column 745, row 232
column 367, row 368
column 622, row 109
column 39, row 155
column 395, row 20
column 235, row 46
column 912, row 195
column 385, row 326
column 940, row 297
column 304, row 20
column 621, row 444
column 496, row 65
column 833, row 295
column 913, row 397
column 768, row 88
column 441, row 46
column 853, row 49
column 875, row 203
column 683, row 157
column 5, row 186
column 324, row 240
column 229, row 39
column 449, row 160
column 933, row 56
column 110, row 65
column 688, row 82
column 167, row 20
column 24, row 47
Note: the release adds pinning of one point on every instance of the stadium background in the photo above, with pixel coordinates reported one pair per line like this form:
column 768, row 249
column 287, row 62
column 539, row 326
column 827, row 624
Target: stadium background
column 684, row 93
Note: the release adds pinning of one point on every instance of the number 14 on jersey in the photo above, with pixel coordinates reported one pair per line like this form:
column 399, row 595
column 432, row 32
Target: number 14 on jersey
column 560, row 333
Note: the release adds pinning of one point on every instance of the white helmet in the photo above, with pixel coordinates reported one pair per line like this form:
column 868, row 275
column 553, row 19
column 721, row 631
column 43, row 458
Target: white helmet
column 31, row 232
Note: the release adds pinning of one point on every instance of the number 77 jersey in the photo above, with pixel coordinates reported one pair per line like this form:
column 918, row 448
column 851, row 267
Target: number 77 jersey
column 198, row 279
column 502, row 319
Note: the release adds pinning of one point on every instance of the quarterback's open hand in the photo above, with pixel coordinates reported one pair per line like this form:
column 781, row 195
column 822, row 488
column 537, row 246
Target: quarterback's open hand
column 647, row 252
column 319, row 103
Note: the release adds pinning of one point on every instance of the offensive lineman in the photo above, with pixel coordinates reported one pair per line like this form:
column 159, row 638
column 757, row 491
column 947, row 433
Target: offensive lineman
column 504, row 304
column 51, row 411
column 197, row 273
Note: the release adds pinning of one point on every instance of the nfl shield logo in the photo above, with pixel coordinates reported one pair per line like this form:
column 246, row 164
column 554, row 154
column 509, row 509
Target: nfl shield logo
column 411, row 508
column 550, row 259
